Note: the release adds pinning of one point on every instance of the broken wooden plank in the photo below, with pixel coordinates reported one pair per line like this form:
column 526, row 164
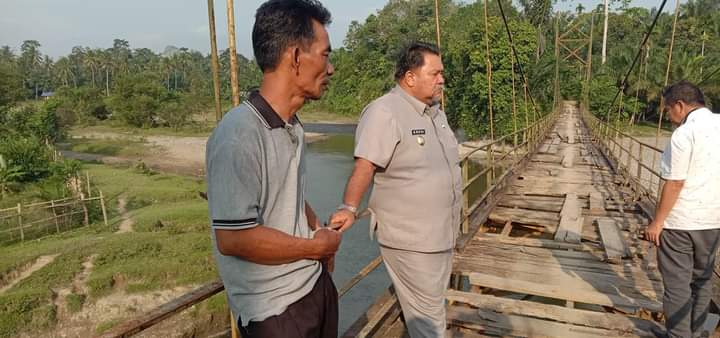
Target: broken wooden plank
column 615, row 247
column 571, row 222
column 506, row 229
column 565, row 291
column 553, row 312
column 597, row 202
column 568, row 157
column 514, row 326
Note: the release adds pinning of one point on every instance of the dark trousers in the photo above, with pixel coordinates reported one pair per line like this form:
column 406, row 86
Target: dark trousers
column 313, row 316
column 686, row 260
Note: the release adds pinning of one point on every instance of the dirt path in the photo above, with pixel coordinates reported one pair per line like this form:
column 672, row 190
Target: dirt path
column 40, row 263
column 126, row 225
column 78, row 287
column 183, row 155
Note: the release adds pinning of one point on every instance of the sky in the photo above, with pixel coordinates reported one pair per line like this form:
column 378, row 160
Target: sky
column 155, row 24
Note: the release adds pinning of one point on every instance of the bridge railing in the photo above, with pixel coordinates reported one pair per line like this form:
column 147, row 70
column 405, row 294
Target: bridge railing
column 500, row 158
column 636, row 160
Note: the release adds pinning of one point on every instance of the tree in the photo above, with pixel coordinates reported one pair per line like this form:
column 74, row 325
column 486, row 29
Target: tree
column 137, row 99
column 31, row 60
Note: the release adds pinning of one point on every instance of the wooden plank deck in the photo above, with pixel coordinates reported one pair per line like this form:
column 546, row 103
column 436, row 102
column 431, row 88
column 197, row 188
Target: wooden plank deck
column 558, row 256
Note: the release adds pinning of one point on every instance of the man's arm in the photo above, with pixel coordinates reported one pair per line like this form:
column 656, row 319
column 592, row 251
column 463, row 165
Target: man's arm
column 670, row 192
column 265, row 245
column 357, row 185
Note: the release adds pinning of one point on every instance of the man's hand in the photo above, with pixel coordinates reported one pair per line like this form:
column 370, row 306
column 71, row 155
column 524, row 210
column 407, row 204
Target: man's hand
column 342, row 220
column 653, row 232
column 327, row 242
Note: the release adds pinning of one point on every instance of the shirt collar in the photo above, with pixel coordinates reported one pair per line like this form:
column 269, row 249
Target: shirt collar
column 419, row 106
column 698, row 111
column 270, row 116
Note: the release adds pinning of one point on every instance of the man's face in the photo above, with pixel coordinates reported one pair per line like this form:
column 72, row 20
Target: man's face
column 314, row 68
column 429, row 80
column 675, row 112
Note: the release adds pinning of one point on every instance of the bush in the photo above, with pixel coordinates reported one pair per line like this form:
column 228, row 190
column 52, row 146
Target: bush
column 83, row 105
column 137, row 100
column 30, row 154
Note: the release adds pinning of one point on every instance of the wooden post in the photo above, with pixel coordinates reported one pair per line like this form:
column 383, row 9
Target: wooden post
column 466, row 196
column 102, row 207
column 233, row 54
column 214, row 60
column 55, row 216
column 20, row 222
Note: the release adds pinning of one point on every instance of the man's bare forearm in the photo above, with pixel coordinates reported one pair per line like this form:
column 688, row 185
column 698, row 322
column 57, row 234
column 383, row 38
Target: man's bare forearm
column 359, row 182
column 265, row 245
column 668, row 197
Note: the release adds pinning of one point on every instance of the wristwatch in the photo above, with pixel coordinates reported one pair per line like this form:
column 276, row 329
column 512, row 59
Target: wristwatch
column 349, row 208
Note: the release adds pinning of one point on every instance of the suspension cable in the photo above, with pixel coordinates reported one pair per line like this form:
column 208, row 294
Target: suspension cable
column 517, row 59
column 637, row 56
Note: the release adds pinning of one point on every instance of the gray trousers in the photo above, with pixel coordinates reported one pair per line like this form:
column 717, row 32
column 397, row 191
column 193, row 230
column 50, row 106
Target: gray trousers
column 420, row 280
column 686, row 260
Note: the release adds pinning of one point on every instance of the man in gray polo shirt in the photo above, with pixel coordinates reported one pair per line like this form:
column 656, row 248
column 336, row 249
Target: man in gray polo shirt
column 268, row 243
column 404, row 142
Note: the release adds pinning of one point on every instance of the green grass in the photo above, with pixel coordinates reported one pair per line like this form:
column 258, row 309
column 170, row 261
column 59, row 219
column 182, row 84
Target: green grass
column 75, row 302
column 198, row 129
column 321, row 116
column 107, row 325
column 646, row 129
column 110, row 147
column 178, row 253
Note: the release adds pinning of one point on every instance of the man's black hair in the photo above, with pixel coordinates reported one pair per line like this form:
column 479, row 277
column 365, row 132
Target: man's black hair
column 683, row 91
column 412, row 57
column 280, row 24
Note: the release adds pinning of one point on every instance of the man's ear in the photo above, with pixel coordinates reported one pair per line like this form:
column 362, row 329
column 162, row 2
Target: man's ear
column 409, row 79
column 295, row 59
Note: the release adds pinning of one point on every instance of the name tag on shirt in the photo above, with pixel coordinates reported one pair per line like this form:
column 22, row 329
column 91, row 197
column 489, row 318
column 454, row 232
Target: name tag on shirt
column 418, row 132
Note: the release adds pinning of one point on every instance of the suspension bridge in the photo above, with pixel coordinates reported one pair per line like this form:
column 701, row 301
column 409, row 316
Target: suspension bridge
column 553, row 218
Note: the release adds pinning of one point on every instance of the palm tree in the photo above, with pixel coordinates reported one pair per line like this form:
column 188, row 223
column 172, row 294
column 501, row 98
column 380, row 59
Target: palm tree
column 64, row 71
column 92, row 61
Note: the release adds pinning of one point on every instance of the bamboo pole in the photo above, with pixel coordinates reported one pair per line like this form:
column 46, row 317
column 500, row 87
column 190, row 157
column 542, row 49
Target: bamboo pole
column 233, row 54
column 214, row 60
column 57, row 225
column 488, row 67
column 87, row 180
column 233, row 326
column 437, row 33
column 667, row 78
column 466, row 196
column 605, row 30
column 514, row 103
column 102, row 207
column 588, row 75
column 702, row 52
column 20, row 222
column 556, row 96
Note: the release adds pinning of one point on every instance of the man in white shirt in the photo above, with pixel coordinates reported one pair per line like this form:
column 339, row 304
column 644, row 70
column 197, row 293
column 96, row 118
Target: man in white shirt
column 686, row 227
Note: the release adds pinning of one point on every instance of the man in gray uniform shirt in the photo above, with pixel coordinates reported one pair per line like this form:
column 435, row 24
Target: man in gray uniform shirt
column 403, row 142
column 268, row 242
